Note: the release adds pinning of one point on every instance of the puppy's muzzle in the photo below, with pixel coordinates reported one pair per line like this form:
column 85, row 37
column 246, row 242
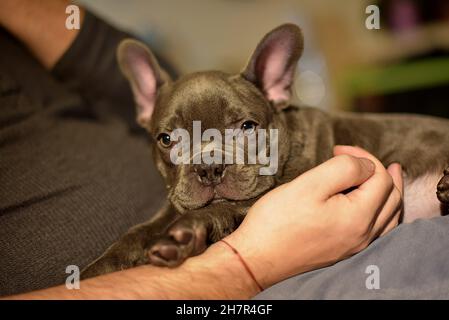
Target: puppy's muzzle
column 210, row 174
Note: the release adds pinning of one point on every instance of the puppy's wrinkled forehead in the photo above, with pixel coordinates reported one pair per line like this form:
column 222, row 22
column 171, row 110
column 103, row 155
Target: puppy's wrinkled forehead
column 217, row 99
column 213, row 97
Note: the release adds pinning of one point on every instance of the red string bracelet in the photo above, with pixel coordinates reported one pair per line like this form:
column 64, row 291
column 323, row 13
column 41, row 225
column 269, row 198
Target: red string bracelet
column 245, row 265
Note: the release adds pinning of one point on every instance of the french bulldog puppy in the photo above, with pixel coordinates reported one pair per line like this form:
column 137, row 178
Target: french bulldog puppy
column 207, row 202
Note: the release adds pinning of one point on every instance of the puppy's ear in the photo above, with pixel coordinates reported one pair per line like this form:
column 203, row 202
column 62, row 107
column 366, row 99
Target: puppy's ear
column 272, row 65
column 140, row 67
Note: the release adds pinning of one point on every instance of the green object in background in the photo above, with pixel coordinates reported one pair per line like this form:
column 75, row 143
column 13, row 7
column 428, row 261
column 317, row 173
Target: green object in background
column 429, row 72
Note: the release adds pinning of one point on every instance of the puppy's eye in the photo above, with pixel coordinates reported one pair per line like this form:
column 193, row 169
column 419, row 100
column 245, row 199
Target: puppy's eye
column 249, row 127
column 164, row 140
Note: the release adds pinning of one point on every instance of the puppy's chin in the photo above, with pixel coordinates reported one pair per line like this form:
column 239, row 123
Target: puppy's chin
column 243, row 183
column 225, row 191
column 195, row 197
column 210, row 195
column 190, row 194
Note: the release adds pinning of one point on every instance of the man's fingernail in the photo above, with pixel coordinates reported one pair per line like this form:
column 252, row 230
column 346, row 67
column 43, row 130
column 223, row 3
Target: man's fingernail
column 368, row 164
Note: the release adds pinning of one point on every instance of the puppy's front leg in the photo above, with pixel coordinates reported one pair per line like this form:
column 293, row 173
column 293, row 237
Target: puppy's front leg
column 131, row 249
column 191, row 234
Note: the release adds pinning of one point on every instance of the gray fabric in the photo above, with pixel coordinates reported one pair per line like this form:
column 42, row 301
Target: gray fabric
column 74, row 176
column 413, row 263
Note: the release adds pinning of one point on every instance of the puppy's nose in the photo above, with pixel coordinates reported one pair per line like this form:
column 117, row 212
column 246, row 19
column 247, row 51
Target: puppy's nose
column 210, row 174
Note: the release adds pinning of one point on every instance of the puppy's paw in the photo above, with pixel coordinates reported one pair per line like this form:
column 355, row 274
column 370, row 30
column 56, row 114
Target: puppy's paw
column 180, row 242
column 443, row 188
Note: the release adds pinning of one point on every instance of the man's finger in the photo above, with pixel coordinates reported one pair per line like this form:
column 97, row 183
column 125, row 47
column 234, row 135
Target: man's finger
column 357, row 152
column 393, row 223
column 337, row 175
column 375, row 191
column 395, row 171
column 390, row 212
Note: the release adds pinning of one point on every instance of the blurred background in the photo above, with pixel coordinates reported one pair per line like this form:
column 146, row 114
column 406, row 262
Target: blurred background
column 402, row 67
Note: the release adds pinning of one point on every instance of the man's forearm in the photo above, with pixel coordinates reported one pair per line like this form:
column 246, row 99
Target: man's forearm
column 40, row 25
column 216, row 274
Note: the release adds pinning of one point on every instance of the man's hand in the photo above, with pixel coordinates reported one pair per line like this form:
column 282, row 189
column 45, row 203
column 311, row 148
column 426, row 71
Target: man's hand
column 327, row 214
